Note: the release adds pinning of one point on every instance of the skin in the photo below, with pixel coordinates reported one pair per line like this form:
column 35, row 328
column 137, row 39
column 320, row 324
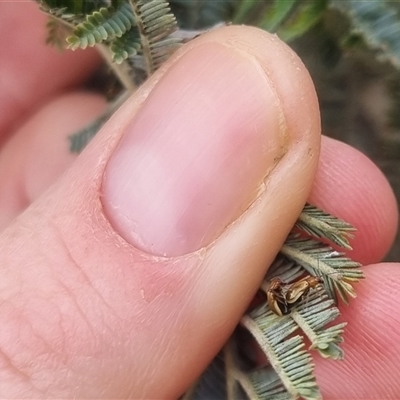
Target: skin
column 85, row 312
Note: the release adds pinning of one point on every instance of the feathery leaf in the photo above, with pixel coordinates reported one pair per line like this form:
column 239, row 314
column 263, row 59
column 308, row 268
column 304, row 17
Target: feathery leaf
column 320, row 259
column 102, row 25
column 125, row 46
column 286, row 354
column 321, row 224
column 312, row 315
column 155, row 23
column 377, row 22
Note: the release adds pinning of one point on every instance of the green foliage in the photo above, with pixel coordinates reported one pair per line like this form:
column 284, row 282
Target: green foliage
column 377, row 23
column 287, row 355
column 336, row 269
column 56, row 33
column 289, row 19
column 125, row 46
column 134, row 36
column 318, row 223
column 311, row 316
column 155, row 23
column 133, row 33
column 102, row 25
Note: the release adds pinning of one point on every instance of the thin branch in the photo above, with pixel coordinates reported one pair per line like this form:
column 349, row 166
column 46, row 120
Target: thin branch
column 123, row 71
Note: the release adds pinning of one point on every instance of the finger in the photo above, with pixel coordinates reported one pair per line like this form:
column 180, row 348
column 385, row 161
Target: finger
column 39, row 151
column 128, row 275
column 350, row 186
column 372, row 342
column 32, row 71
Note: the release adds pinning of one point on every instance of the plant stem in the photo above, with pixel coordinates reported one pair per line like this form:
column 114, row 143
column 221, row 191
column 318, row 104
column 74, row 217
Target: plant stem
column 122, row 71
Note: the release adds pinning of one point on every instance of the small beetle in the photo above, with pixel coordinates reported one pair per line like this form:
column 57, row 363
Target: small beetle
column 282, row 297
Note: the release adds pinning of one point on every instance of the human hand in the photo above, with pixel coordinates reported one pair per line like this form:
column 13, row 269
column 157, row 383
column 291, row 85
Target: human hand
column 208, row 164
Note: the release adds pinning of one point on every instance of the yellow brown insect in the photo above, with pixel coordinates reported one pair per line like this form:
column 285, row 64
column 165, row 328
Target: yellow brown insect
column 276, row 297
column 298, row 290
column 282, row 297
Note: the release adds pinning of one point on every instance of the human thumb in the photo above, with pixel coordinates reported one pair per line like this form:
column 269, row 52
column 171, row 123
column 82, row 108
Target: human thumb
column 128, row 275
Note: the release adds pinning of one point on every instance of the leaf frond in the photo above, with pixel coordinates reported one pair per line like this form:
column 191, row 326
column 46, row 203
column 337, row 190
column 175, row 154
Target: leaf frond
column 263, row 383
column 125, row 46
column 320, row 259
column 286, row 354
column 312, row 315
column 377, row 22
column 56, row 33
column 321, row 224
column 102, row 25
column 287, row 270
column 155, row 24
column 59, row 25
